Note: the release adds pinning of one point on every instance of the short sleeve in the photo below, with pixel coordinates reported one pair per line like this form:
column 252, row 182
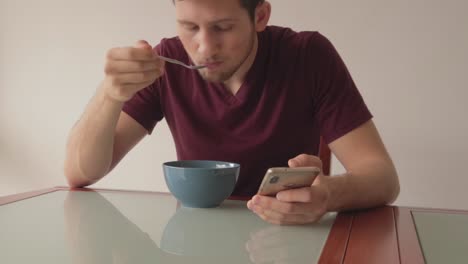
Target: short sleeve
column 339, row 106
column 145, row 106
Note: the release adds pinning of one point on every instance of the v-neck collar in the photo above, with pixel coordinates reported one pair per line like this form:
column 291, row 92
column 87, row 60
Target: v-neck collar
column 249, row 79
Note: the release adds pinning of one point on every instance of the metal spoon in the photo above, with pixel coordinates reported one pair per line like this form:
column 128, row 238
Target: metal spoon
column 192, row 67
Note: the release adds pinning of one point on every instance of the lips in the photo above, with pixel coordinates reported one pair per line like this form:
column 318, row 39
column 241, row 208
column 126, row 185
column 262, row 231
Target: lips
column 212, row 65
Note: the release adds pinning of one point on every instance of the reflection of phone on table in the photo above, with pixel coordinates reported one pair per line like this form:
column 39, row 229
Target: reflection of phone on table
column 279, row 179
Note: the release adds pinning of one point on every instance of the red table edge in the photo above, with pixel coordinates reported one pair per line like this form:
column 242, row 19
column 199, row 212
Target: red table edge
column 26, row 195
column 434, row 210
column 22, row 196
column 403, row 247
column 408, row 241
column 334, row 250
column 373, row 237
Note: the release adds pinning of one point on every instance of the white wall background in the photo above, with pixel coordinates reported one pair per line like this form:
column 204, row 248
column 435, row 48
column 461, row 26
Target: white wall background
column 409, row 59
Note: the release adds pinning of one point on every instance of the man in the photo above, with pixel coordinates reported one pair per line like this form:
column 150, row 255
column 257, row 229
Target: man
column 264, row 99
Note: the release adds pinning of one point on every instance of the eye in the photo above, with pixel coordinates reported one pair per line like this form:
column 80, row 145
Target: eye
column 192, row 28
column 223, row 28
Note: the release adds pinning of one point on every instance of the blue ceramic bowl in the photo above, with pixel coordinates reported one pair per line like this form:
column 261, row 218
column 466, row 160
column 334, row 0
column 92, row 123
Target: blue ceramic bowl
column 201, row 183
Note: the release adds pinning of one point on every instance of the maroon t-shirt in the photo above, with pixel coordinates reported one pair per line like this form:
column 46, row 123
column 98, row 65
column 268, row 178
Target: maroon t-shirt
column 297, row 90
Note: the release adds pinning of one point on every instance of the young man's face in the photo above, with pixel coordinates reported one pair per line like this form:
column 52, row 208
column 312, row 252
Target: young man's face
column 216, row 33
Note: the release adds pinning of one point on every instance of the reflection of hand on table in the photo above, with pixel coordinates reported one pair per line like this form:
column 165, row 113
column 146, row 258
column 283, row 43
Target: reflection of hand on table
column 289, row 244
column 265, row 249
column 97, row 232
column 273, row 245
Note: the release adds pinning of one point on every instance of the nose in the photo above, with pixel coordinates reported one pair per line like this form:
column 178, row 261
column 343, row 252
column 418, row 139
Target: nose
column 208, row 44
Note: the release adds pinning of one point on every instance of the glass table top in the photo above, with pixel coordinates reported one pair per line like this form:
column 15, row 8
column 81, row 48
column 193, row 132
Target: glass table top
column 128, row 227
column 443, row 237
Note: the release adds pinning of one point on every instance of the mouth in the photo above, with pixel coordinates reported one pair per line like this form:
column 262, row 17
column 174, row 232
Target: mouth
column 212, row 65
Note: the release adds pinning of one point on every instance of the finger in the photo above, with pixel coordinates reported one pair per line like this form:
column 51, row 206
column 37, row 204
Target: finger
column 264, row 234
column 142, row 44
column 304, row 160
column 274, row 204
column 133, row 66
column 312, row 200
column 262, row 207
column 264, row 243
column 132, row 54
column 301, row 195
column 132, row 88
column 135, row 78
column 280, row 219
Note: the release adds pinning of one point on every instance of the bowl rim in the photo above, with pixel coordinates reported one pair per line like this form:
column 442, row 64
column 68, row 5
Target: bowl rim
column 168, row 164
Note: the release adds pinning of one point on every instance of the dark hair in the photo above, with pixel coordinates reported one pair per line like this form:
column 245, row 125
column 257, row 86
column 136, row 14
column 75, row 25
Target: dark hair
column 249, row 5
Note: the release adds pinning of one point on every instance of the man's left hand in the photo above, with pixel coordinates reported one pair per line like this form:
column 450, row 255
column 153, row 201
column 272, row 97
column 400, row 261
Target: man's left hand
column 295, row 206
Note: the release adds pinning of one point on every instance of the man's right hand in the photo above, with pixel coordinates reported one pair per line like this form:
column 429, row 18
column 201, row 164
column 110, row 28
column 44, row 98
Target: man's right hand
column 131, row 69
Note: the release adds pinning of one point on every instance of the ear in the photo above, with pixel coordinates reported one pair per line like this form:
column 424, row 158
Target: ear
column 262, row 16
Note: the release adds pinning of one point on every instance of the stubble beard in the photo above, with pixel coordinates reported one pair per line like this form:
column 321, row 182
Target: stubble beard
column 227, row 74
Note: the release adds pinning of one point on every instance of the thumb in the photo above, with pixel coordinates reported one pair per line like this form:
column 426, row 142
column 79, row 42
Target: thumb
column 298, row 161
column 293, row 163
column 304, row 160
column 143, row 44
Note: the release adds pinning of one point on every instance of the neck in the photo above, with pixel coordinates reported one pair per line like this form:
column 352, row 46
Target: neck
column 236, row 81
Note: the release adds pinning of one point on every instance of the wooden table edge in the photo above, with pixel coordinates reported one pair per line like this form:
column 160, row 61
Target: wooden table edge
column 334, row 250
column 26, row 195
column 373, row 237
column 408, row 241
column 434, row 210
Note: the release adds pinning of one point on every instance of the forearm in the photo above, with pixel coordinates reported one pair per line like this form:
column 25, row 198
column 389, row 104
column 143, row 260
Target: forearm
column 90, row 144
column 374, row 184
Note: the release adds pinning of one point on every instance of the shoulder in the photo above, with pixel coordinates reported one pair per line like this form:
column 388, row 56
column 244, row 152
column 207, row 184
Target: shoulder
column 288, row 36
column 320, row 47
column 302, row 46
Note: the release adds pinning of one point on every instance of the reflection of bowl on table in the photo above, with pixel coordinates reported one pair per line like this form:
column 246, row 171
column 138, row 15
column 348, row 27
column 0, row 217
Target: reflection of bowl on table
column 221, row 231
column 201, row 183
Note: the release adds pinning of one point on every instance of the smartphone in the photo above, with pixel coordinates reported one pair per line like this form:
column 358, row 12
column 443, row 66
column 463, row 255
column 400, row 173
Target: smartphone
column 279, row 179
